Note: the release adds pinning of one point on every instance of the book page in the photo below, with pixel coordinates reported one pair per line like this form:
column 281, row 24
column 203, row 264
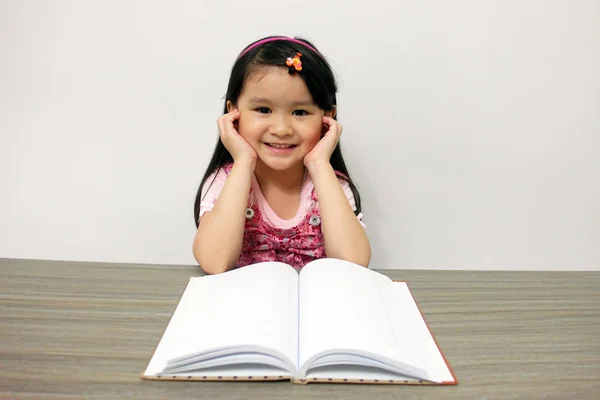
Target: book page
column 353, row 372
column 404, row 312
column 251, row 307
column 356, row 310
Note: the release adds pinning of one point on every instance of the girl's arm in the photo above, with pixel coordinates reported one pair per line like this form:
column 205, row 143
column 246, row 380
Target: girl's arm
column 218, row 240
column 345, row 237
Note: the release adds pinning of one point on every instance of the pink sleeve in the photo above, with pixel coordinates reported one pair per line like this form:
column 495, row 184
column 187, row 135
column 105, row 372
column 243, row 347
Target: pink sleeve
column 350, row 197
column 211, row 190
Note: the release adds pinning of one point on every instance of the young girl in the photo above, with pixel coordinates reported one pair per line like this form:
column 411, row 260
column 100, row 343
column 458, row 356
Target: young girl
column 277, row 187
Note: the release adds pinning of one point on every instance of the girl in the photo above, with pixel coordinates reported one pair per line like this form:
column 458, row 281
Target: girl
column 277, row 187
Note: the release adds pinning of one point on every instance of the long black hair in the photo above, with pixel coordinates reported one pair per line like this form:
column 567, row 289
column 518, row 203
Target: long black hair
column 318, row 77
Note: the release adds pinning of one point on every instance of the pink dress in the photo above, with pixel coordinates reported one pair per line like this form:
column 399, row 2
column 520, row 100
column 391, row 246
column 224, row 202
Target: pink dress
column 267, row 237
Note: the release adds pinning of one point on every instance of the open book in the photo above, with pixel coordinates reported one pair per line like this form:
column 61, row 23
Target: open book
column 332, row 322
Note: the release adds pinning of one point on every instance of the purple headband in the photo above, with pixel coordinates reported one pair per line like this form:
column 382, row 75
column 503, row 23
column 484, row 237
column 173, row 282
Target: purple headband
column 272, row 39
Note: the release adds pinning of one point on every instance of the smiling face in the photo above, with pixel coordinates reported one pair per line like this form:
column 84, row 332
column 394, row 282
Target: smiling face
column 278, row 118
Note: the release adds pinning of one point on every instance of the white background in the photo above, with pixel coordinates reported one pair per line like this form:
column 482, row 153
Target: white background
column 471, row 127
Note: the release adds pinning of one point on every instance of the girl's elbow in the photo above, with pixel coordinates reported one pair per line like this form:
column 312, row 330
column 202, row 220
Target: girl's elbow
column 209, row 269
column 211, row 265
column 364, row 261
column 359, row 258
column 363, row 258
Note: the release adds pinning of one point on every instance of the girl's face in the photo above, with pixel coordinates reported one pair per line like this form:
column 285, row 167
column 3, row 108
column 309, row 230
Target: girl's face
column 278, row 118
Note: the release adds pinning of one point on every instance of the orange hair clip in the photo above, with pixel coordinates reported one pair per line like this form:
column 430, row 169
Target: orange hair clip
column 295, row 62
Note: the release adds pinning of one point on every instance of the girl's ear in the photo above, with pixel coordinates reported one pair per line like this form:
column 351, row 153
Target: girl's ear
column 332, row 113
column 230, row 106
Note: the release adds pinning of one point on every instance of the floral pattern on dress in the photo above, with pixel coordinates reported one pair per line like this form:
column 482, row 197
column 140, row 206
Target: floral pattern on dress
column 296, row 246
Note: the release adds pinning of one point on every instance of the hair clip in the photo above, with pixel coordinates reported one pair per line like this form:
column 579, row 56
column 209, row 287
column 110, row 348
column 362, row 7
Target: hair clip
column 294, row 62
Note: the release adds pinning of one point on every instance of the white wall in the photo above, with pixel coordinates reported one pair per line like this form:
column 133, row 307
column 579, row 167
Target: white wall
column 472, row 127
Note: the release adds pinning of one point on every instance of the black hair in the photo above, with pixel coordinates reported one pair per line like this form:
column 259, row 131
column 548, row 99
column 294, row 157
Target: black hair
column 319, row 79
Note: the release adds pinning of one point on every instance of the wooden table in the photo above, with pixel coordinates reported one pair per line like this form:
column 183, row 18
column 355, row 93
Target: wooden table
column 88, row 330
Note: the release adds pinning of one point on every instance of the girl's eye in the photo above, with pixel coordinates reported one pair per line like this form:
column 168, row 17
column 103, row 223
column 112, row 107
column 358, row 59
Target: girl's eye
column 263, row 110
column 300, row 112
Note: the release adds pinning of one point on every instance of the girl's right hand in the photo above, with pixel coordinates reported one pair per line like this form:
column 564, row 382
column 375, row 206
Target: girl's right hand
column 237, row 146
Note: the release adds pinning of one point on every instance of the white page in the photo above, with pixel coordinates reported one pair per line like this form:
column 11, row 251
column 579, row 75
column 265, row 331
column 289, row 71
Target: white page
column 405, row 312
column 241, row 371
column 251, row 306
column 352, row 372
column 230, row 360
column 341, row 307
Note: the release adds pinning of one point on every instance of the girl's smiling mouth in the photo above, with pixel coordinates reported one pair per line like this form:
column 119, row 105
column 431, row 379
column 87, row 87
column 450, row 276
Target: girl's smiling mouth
column 281, row 147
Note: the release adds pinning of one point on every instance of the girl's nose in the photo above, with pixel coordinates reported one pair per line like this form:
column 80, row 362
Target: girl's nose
column 281, row 126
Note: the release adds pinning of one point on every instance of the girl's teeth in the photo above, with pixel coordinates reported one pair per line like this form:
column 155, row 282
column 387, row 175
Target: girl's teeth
column 281, row 146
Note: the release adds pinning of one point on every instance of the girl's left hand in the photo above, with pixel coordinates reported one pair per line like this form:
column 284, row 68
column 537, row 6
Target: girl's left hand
column 323, row 150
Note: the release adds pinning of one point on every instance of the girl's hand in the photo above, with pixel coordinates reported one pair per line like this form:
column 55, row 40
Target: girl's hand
column 237, row 146
column 323, row 150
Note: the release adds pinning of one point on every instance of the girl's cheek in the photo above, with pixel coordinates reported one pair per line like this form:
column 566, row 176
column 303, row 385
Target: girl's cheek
column 315, row 140
column 318, row 135
column 243, row 125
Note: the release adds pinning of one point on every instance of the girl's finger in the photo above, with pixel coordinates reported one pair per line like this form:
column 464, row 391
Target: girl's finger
column 333, row 125
column 331, row 122
column 328, row 120
column 226, row 122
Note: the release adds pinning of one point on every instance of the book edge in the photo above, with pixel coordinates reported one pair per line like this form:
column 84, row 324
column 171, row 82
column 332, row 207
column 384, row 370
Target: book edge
column 223, row 378
column 272, row 378
column 370, row 381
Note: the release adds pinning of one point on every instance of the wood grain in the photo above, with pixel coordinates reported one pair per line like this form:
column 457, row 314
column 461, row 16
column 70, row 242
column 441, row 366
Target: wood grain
column 88, row 330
